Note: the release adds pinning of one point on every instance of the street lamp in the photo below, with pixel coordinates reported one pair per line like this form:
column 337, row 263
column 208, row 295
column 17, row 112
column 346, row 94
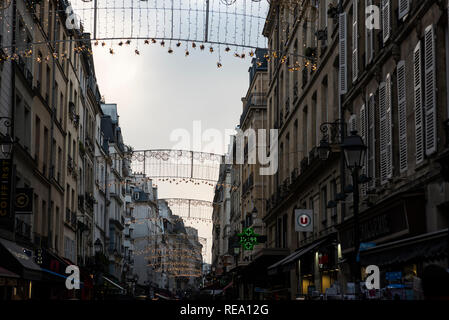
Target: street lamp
column 98, row 246
column 324, row 149
column 7, row 142
column 354, row 150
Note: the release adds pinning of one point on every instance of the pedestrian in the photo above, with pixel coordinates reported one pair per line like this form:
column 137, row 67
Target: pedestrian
column 435, row 283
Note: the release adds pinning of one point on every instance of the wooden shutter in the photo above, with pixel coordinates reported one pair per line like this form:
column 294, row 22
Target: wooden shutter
column 364, row 135
column 343, row 54
column 386, row 20
column 404, row 7
column 402, row 115
column 355, row 40
column 389, row 127
column 352, row 124
column 385, row 128
column 372, row 140
column 369, row 37
column 419, row 124
column 430, row 91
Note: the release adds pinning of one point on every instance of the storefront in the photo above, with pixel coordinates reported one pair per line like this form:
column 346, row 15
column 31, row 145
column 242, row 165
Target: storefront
column 402, row 262
column 313, row 268
column 19, row 272
column 254, row 281
column 398, row 217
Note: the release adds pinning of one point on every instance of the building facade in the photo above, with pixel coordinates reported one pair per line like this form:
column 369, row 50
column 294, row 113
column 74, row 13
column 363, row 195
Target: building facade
column 326, row 65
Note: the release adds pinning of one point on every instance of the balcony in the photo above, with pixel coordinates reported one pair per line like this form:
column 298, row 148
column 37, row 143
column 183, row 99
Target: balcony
column 81, row 203
column 25, row 70
column 254, row 100
column 294, row 174
column 304, row 164
column 70, row 164
column 90, row 200
column 89, row 144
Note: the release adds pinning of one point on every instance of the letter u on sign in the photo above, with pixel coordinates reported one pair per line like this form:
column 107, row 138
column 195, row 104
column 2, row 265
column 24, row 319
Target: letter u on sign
column 303, row 220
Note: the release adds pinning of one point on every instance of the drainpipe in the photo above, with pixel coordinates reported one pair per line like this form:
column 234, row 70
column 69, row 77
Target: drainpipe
column 52, row 152
column 12, row 132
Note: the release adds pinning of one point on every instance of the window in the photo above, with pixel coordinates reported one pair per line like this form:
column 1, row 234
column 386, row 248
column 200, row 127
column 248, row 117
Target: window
column 324, row 206
column 59, row 164
column 44, row 169
column 48, row 88
column 284, row 231
column 334, row 196
column 304, row 132
column 324, row 101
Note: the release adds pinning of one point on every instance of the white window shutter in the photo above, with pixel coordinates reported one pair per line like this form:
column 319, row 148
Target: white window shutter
column 343, row 54
column 404, row 7
column 389, row 128
column 355, row 40
column 352, row 123
column 383, row 133
column 402, row 115
column 430, row 91
column 372, row 140
column 369, row 37
column 419, row 124
column 386, row 22
column 363, row 134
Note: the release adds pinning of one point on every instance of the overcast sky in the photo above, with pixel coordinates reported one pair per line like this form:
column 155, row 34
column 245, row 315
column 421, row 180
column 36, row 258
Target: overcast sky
column 158, row 93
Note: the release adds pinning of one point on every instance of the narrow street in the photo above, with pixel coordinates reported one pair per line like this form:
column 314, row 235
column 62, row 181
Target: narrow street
column 224, row 150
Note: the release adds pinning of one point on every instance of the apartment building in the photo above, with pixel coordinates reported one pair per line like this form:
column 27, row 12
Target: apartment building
column 116, row 187
column 221, row 218
column 325, row 65
column 57, row 135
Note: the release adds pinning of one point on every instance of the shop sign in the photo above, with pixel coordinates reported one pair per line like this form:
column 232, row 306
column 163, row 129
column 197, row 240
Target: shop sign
column 393, row 276
column 23, row 201
column 248, row 239
column 303, row 220
column 5, row 192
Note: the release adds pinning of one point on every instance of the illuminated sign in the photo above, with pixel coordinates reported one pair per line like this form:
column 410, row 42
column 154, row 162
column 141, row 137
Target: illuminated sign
column 248, row 239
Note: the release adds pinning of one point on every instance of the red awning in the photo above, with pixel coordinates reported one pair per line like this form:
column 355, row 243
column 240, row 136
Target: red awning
column 228, row 285
column 5, row 273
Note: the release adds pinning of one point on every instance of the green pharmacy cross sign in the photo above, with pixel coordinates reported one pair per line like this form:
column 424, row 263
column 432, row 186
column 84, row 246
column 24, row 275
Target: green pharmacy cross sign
column 248, row 238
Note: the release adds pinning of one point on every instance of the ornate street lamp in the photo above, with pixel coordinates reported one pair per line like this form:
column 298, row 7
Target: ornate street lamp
column 324, row 149
column 254, row 212
column 98, row 246
column 354, row 150
column 7, row 142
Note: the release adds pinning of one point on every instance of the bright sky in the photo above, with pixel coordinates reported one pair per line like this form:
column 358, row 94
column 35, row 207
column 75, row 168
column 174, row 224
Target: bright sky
column 157, row 93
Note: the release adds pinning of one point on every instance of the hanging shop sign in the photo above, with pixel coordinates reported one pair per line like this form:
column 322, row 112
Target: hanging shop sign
column 5, row 193
column 303, row 220
column 248, row 239
column 23, row 201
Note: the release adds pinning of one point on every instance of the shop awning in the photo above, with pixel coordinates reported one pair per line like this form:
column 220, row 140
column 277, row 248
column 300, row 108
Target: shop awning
column 162, row 296
column 423, row 247
column 5, row 273
column 228, row 286
column 292, row 258
column 16, row 257
column 113, row 283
